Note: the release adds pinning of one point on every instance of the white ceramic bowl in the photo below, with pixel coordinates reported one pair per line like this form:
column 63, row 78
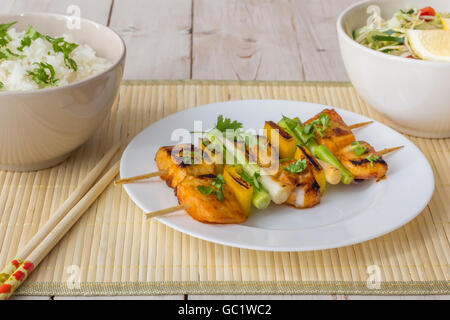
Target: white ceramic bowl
column 40, row 128
column 413, row 94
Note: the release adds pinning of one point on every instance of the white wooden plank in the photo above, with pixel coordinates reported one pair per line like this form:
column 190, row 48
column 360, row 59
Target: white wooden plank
column 315, row 22
column 244, row 40
column 158, row 37
column 97, row 10
column 267, row 40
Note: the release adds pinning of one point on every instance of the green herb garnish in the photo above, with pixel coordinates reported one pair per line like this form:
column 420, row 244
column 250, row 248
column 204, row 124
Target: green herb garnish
column 226, row 124
column 30, row 35
column 216, row 187
column 60, row 45
column 44, row 74
column 1, row 85
column 357, row 148
column 371, row 158
column 319, row 125
column 7, row 54
column 4, row 36
column 296, row 167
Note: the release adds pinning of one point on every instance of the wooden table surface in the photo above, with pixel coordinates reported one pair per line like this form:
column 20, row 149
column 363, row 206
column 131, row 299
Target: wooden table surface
column 221, row 40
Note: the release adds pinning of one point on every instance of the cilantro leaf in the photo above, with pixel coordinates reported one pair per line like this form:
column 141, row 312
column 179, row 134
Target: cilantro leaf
column 205, row 190
column 7, row 54
column 371, row 158
column 226, row 124
column 357, row 148
column 320, row 125
column 44, row 74
column 296, row 167
column 30, row 35
column 216, row 187
column 4, row 36
column 60, row 45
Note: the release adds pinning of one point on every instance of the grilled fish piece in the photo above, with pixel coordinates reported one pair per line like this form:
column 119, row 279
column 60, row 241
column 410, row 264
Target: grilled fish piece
column 306, row 191
column 360, row 166
column 207, row 208
column 337, row 135
column 181, row 161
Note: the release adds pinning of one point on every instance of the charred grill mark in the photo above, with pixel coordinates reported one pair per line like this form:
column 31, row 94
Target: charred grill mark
column 206, row 176
column 315, row 186
column 242, row 182
column 250, row 156
column 180, row 162
column 310, row 159
column 177, row 155
column 362, row 161
column 281, row 131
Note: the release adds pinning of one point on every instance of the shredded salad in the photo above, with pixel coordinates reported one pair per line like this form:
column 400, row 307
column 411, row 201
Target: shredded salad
column 390, row 36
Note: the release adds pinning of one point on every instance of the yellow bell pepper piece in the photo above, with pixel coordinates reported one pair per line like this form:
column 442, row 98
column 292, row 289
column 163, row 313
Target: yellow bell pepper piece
column 240, row 187
column 285, row 144
column 318, row 172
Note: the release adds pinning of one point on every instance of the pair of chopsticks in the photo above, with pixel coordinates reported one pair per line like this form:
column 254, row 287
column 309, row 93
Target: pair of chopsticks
column 17, row 270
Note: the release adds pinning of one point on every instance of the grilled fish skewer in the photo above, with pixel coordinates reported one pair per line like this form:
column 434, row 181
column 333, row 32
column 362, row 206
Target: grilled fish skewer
column 338, row 138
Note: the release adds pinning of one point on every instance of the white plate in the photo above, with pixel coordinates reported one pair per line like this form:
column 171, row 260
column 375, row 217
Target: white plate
column 346, row 214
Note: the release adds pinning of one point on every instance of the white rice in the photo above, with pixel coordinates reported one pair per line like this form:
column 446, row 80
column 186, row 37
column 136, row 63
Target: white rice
column 13, row 73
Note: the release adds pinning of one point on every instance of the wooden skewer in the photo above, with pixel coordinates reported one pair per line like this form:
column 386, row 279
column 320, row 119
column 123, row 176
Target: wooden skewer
column 157, row 213
column 56, row 217
column 388, row 150
column 359, row 125
column 43, row 248
column 140, row 177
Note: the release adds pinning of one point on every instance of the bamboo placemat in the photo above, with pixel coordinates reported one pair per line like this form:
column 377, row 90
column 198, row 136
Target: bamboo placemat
column 113, row 250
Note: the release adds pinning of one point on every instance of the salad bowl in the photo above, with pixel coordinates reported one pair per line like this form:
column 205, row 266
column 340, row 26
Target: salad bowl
column 413, row 94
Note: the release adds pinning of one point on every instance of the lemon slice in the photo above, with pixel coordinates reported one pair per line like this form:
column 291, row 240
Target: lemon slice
column 431, row 45
column 445, row 23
